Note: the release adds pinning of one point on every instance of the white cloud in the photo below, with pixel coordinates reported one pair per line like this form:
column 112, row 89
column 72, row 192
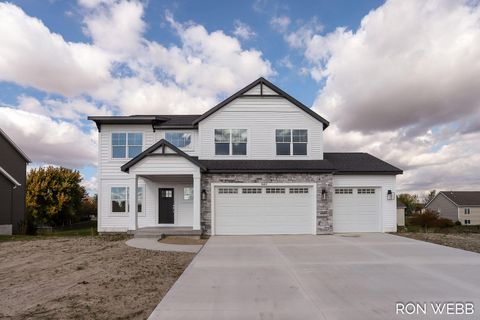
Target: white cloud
column 116, row 27
column 280, row 23
column 46, row 140
column 403, row 86
column 121, row 71
column 243, row 30
column 91, row 184
column 33, row 56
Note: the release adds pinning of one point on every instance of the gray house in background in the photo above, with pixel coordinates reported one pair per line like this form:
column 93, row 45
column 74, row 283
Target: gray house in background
column 463, row 206
column 13, row 166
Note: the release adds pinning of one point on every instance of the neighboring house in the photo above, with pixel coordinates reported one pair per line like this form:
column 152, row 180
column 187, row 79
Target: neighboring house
column 463, row 206
column 13, row 166
column 401, row 209
column 253, row 164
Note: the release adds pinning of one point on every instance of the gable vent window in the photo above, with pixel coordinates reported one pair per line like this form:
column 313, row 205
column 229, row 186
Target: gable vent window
column 298, row 190
column 274, row 190
column 252, row 190
column 231, row 142
column 291, row 142
column 366, row 191
column 227, row 190
column 126, row 145
column 343, row 191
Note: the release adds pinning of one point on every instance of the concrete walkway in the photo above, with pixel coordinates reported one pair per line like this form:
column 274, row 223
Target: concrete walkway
column 320, row 277
column 153, row 244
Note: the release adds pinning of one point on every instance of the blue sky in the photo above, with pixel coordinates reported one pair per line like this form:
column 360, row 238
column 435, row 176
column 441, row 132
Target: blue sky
column 373, row 68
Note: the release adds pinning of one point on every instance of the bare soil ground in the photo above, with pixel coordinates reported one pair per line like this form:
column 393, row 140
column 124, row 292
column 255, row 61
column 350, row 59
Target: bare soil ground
column 465, row 241
column 84, row 278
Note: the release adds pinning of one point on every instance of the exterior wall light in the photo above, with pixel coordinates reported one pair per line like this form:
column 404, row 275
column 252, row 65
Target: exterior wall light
column 324, row 193
column 204, row 194
column 390, row 195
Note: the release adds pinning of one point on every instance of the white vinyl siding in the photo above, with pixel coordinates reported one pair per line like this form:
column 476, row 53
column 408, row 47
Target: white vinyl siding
column 381, row 184
column 261, row 117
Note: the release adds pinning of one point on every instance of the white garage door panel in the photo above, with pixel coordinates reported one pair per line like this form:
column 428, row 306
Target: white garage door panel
column 356, row 212
column 264, row 213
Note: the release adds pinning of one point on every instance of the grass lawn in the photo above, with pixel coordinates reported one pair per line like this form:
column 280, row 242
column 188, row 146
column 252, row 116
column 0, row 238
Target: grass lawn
column 87, row 231
column 73, row 275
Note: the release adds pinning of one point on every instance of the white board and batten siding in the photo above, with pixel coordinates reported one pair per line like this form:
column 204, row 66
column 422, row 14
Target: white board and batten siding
column 261, row 116
column 368, row 203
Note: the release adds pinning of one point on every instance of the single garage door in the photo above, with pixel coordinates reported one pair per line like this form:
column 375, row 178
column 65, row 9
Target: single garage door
column 356, row 210
column 264, row 210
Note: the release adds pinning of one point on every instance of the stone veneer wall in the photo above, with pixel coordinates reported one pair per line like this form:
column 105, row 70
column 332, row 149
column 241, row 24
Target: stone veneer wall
column 323, row 181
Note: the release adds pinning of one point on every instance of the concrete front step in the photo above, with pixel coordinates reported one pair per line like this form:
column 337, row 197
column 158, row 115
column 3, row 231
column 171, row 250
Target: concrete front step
column 159, row 232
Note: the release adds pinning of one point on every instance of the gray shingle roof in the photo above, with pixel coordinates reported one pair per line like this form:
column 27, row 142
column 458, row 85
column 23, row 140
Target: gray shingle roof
column 278, row 166
column 463, row 198
column 339, row 163
column 359, row 163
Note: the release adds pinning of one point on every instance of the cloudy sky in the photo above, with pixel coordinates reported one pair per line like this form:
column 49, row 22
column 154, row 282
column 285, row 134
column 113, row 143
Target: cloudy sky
column 399, row 79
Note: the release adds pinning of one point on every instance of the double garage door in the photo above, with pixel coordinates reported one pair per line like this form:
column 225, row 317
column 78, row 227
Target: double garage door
column 243, row 210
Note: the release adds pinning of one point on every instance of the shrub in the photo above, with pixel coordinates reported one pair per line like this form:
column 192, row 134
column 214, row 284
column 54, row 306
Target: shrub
column 430, row 219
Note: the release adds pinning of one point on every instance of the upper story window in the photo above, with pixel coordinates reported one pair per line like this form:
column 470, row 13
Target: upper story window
column 291, row 142
column 126, row 145
column 467, row 210
column 182, row 140
column 230, row 142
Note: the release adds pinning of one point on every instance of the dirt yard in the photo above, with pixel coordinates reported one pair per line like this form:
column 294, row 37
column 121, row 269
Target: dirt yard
column 84, row 278
column 465, row 241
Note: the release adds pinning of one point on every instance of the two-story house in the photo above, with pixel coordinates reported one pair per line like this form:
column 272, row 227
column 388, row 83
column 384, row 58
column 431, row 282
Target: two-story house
column 253, row 164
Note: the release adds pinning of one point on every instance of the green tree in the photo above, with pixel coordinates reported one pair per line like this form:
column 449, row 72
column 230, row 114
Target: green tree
column 410, row 201
column 54, row 195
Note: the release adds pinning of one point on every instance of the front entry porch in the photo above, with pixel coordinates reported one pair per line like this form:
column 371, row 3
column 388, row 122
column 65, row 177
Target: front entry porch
column 167, row 204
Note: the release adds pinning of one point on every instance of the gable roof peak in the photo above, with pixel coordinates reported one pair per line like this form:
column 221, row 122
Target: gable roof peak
column 277, row 90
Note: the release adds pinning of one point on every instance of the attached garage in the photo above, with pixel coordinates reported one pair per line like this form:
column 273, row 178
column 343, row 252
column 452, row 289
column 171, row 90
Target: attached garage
column 357, row 209
column 272, row 209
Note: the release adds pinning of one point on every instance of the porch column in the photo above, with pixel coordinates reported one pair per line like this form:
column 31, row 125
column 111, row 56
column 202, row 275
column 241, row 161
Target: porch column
column 196, row 201
column 135, row 202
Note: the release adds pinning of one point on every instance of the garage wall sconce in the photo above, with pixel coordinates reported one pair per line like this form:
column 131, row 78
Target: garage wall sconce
column 324, row 194
column 390, row 195
column 204, row 194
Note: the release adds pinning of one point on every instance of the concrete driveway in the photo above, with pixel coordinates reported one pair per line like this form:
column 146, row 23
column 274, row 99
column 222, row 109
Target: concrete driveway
column 321, row 277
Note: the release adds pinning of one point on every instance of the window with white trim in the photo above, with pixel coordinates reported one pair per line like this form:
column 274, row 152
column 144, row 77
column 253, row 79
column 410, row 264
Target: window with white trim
column 227, row 190
column 231, row 142
column 366, row 191
column 251, row 190
column 298, row 190
column 188, row 193
column 291, row 142
column 343, row 191
column 119, row 199
column 467, row 210
column 126, row 145
column 182, row 140
column 274, row 190
column 467, row 221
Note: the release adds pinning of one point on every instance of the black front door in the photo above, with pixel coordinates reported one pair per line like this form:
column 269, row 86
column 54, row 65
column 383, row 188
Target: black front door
column 165, row 205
